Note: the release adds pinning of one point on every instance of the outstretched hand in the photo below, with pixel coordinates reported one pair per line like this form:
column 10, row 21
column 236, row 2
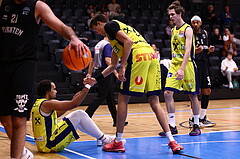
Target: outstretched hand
column 90, row 81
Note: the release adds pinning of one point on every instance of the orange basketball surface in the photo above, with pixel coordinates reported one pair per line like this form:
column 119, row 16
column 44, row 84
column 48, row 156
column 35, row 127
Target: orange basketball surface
column 75, row 63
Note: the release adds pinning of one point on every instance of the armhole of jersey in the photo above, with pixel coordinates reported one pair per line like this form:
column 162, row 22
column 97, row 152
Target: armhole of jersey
column 205, row 33
column 42, row 113
column 185, row 31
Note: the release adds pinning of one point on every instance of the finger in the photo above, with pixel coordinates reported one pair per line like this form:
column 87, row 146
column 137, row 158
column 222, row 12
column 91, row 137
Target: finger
column 69, row 47
column 78, row 52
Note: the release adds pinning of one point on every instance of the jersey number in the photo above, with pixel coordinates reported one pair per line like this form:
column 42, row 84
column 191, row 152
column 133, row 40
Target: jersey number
column 14, row 18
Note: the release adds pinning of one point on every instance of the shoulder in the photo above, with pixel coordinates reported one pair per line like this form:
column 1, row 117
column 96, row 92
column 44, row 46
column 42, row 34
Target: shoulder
column 41, row 7
column 111, row 24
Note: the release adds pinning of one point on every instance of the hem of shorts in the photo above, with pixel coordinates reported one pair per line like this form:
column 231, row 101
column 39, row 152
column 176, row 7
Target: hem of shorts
column 130, row 93
column 178, row 91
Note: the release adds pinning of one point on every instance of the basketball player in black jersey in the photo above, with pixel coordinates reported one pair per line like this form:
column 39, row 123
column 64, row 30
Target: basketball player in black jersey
column 20, row 23
column 202, row 60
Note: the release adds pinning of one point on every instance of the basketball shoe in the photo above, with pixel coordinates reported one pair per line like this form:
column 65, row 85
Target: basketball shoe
column 115, row 146
column 205, row 122
column 195, row 130
column 27, row 154
column 172, row 129
column 176, row 148
column 108, row 139
column 191, row 123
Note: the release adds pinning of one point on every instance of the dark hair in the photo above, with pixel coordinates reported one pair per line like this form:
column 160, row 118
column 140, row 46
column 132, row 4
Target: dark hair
column 98, row 18
column 177, row 7
column 43, row 87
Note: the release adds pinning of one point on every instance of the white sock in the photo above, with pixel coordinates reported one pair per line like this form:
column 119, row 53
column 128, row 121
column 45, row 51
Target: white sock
column 196, row 119
column 24, row 151
column 171, row 119
column 169, row 136
column 103, row 137
column 203, row 113
column 119, row 137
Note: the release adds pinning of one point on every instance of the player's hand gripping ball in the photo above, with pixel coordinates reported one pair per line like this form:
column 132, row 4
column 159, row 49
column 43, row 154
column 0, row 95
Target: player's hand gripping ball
column 72, row 62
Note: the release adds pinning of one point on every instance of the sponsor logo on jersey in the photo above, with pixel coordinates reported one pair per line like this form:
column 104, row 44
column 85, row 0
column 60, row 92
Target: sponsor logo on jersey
column 146, row 57
column 138, row 80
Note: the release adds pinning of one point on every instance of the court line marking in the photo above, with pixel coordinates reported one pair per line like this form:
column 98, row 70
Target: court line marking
column 66, row 149
column 205, row 142
column 76, row 153
column 175, row 111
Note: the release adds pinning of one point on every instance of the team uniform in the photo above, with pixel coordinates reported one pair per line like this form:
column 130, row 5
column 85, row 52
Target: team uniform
column 202, row 60
column 51, row 135
column 18, row 57
column 143, row 68
column 189, row 83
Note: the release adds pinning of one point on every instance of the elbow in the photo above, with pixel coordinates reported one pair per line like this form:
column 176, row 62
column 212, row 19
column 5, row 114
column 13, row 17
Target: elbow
column 129, row 42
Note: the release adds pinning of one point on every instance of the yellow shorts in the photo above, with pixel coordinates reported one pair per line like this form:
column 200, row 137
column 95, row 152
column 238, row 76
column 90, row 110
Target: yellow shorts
column 143, row 75
column 60, row 138
column 189, row 83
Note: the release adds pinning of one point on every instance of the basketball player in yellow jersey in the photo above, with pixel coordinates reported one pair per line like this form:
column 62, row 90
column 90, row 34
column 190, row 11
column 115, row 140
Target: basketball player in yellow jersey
column 53, row 136
column 139, row 73
column 182, row 72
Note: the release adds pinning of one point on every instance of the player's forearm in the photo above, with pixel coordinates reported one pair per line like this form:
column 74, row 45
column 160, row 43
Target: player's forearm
column 185, row 60
column 78, row 99
column 127, row 50
column 68, row 33
column 109, row 70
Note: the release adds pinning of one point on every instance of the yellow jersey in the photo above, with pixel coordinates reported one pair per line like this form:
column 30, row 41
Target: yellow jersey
column 139, row 46
column 178, row 42
column 51, row 135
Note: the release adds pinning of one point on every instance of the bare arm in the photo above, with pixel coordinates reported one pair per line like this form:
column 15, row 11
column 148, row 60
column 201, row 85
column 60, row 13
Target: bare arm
column 62, row 106
column 112, row 66
column 51, row 105
column 127, row 42
column 211, row 48
column 188, row 47
column 90, row 68
column 44, row 12
column 108, row 62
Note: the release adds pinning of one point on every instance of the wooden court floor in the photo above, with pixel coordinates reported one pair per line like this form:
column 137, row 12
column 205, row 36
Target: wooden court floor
column 142, row 123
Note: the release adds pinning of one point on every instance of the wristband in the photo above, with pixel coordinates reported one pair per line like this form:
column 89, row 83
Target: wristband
column 99, row 77
column 88, row 86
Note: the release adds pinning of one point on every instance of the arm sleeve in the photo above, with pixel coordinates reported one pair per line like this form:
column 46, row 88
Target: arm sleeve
column 223, row 67
column 107, row 51
column 111, row 29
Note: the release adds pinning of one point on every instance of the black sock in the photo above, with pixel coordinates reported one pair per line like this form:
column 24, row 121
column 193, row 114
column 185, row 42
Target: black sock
column 204, row 101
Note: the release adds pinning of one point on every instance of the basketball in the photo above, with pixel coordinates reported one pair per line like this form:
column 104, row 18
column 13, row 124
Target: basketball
column 72, row 62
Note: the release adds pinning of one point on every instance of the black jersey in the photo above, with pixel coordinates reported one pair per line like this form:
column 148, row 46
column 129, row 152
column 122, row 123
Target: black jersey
column 19, row 31
column 202, row 39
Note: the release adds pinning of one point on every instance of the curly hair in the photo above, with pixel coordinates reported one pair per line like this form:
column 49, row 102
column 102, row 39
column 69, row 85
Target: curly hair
column 43, row 87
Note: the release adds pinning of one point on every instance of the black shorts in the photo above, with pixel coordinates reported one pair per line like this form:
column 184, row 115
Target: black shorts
column 17, row 88
column 203, row 75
